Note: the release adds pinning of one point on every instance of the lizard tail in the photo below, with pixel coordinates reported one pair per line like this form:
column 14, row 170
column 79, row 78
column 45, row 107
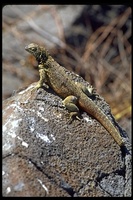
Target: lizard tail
column 91, row 108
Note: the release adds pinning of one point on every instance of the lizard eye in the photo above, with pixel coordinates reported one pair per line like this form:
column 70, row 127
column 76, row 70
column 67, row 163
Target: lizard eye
column 33, row 49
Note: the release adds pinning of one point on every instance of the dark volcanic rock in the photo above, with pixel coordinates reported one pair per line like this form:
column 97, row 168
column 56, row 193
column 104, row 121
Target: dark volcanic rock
column 44, row 155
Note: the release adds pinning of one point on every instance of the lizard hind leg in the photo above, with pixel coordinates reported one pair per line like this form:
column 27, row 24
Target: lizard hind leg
column 88, row 90
column 70, row 103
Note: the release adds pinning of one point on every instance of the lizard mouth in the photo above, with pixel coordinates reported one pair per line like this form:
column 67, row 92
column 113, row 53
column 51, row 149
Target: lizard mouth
column 26, row 48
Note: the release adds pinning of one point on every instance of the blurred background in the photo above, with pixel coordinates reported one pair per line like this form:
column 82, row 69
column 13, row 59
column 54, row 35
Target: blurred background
column 94, row 41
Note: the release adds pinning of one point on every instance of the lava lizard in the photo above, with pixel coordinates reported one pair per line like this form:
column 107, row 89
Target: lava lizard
column 75, row 94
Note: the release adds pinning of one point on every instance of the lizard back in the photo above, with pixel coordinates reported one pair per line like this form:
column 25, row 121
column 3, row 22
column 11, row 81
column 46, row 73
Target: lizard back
column 60, row 81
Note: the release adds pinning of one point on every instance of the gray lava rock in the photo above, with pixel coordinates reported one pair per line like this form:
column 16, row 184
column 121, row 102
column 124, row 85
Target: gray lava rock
column 44, row 155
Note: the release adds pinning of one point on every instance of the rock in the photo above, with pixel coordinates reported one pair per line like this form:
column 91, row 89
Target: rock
column 44, row 155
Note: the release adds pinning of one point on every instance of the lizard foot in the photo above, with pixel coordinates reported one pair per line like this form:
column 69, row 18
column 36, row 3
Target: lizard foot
column 70, row 103
column 35, row 88
column 39, row 85
column 73, row 115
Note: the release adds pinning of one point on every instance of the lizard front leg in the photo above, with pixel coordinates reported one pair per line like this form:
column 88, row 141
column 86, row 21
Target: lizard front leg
column 70, row 103
column 43, row 79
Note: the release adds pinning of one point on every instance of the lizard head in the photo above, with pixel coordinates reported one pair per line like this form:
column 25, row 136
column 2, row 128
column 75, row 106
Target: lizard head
column 40, row 53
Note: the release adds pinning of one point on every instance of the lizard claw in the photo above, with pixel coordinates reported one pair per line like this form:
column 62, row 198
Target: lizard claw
column 72, row 116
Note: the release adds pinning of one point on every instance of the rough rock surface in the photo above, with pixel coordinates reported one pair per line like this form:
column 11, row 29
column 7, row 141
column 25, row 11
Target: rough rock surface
column 44, row 155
